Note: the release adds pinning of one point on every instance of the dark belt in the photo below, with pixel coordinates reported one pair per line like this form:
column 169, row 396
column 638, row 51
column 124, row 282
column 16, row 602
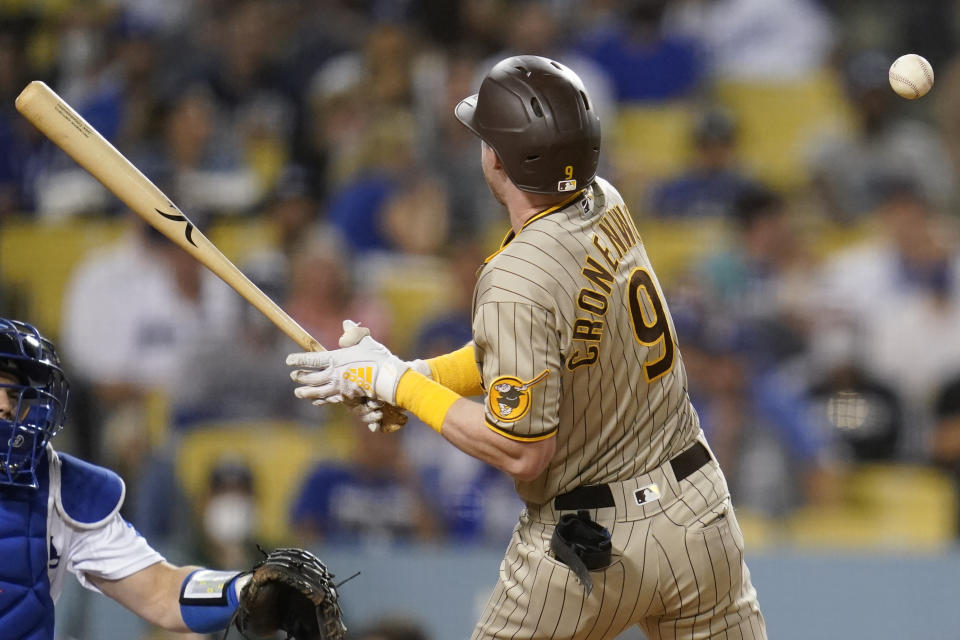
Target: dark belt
column 597, row 496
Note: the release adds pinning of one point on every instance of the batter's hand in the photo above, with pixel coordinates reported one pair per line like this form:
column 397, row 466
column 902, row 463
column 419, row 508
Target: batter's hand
column 368, row 410
column 365, row 369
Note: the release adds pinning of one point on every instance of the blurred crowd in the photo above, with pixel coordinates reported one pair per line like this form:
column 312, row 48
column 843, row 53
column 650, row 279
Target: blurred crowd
column 802, row 218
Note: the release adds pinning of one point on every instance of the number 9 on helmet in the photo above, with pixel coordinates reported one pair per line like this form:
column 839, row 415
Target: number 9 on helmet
column 33, row 400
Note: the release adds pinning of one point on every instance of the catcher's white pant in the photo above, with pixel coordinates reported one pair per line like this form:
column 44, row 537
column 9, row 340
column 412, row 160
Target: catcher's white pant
column 678, row 569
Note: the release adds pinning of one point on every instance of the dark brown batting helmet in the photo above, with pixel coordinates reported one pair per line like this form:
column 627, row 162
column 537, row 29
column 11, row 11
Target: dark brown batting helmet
column 535, row 113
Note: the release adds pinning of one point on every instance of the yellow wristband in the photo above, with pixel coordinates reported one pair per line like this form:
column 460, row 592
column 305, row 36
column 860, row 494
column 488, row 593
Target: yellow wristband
column 424, row 398
column 458, row 371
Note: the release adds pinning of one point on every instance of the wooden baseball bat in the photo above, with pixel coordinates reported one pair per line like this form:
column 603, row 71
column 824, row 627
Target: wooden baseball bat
column 59, row 122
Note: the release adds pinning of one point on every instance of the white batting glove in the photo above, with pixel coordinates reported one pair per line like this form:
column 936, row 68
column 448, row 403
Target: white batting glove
column 353, row 333
column 366, row 368
column 368, row 410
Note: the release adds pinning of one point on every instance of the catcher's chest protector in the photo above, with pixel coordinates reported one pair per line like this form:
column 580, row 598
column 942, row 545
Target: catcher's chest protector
column 26, row 607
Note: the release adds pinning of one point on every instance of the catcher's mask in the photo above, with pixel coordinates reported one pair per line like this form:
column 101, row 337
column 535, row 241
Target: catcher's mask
column 535, row 113
column 36, row 393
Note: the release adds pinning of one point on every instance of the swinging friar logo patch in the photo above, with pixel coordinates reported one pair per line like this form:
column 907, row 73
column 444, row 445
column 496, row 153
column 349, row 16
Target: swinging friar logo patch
column 509, row 398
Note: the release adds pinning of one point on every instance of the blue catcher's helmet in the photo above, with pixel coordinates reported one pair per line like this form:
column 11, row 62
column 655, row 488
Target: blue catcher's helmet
column 36, row 393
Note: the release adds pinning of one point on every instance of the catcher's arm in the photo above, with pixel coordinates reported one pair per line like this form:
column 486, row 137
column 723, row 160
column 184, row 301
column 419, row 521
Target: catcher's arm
column 153, row 594
column 290, row 590
column 150, row 593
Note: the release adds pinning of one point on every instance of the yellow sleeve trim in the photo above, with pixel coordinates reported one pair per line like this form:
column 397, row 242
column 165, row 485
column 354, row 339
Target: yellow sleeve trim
column 513, row 436
column 428, row 400
column 458, row 371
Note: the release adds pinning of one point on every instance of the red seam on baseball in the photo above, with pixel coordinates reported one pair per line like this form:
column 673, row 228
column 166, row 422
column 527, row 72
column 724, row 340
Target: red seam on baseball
column 926, row 72
column 906, row 81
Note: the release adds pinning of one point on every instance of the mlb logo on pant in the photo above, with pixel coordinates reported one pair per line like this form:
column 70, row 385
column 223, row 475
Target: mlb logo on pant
column 647, row 494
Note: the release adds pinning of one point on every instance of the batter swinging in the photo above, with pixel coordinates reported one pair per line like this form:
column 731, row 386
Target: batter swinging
column 586, row 401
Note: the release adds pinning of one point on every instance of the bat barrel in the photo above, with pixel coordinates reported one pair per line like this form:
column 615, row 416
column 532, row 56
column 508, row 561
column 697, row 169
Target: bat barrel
column 66, row 128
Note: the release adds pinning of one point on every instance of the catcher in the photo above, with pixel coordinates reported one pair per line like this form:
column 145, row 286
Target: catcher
column 60, row 514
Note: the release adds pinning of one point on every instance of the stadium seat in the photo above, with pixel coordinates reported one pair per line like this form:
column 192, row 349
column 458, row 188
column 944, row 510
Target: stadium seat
column 238, row 238
column 278, row 454
column 759, row 531
column 413, row 287
column 653, row 140
column 38, row 259
column 648, row 142
column 674, row 246
column 778, row 122
column 832, row 238
column 884, row 506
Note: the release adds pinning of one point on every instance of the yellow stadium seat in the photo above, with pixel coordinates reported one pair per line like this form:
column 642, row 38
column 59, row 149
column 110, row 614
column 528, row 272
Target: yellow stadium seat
column 278, row 453
column 267, row 155
column 778, row 121
column 38, row 259
column 759, row 531
column 909, row 502
column 884, row 506
column 238, row 238
column 652, row 140
column 674, row 246
column 414, row 288
column 37, row 7
column 648, row 142
column 832, row 238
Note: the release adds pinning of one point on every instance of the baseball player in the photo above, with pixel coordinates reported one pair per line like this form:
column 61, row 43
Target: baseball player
column 628, row 518
column 60, row 514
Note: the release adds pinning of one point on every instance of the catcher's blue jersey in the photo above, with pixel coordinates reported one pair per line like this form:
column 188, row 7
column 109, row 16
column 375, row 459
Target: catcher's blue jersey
column 72, row 495
column 26, row 606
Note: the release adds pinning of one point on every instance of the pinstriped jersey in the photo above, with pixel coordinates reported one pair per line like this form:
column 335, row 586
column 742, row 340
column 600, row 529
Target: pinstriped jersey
column 574, row 341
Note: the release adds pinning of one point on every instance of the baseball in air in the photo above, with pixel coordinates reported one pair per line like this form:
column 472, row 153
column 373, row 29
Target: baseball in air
column 911, row 76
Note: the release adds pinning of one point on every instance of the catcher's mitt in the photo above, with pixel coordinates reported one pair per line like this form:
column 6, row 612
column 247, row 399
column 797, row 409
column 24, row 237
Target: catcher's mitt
column 291, row 590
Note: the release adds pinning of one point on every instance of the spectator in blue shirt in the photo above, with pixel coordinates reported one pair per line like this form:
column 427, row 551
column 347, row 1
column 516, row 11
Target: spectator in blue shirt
column 710, row 185
column 372, row 498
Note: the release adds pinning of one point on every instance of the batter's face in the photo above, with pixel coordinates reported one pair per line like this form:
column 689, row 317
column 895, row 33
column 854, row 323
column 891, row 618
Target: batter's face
column 493, row 172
